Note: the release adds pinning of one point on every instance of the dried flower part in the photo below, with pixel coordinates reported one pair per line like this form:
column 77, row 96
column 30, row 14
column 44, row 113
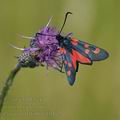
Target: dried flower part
column 27, row 60
column 43, row 50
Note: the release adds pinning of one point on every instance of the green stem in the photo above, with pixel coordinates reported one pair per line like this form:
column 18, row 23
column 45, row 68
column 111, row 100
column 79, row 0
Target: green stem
column 7, row 85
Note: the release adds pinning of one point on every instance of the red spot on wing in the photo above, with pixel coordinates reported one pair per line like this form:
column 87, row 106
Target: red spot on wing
column 87, row 51
column 97, row 50
column 68, row 72
column 74, row 41
column 69, row 65
column 86, row 45
column 79, row 57
column 62, row 50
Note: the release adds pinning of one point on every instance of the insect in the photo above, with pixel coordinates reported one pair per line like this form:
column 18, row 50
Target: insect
column 75, row 51
column 50, row 48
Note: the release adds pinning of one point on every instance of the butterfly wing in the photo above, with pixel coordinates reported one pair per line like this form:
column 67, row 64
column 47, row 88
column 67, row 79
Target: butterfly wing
column 90, row 51
column 80, row 52
column 70, row 65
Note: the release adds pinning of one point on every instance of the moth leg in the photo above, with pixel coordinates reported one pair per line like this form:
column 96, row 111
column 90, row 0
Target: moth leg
column 62, row 67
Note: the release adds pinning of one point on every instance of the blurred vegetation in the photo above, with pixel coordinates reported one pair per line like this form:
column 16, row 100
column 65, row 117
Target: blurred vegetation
column 42, row 94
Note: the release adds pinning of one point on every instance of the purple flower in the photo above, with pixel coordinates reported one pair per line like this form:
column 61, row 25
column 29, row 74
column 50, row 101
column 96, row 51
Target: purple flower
column 43, row 50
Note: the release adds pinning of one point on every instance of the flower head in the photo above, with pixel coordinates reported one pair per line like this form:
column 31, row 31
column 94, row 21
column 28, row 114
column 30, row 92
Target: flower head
column 43, row 50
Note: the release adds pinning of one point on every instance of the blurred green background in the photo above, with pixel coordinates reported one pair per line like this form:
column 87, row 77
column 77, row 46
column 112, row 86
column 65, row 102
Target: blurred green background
column 40, row 94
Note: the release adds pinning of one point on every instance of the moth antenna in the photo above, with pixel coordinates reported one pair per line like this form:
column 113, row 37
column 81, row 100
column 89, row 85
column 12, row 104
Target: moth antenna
column 22, row 49
column 66, row 15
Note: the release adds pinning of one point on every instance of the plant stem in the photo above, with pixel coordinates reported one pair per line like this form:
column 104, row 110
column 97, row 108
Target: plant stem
column 7, row 85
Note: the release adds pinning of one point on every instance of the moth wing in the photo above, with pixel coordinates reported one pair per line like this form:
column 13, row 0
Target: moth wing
column 71, row 66
column 90, row 51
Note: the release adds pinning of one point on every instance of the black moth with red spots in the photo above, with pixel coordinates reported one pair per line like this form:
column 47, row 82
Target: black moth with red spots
column 74, row 52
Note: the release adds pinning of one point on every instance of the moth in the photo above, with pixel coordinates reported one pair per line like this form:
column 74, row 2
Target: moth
column 75, row 52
